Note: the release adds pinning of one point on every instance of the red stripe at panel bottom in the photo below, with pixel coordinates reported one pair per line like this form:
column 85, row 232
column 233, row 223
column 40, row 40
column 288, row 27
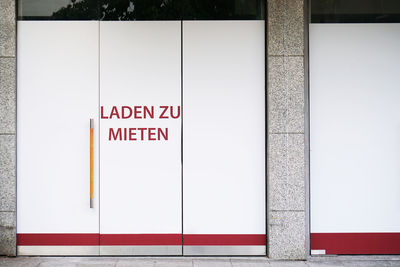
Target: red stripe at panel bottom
column 224, row 240
column 57, row 239
column 140, row 239
column 356, row 243
column 96, row 239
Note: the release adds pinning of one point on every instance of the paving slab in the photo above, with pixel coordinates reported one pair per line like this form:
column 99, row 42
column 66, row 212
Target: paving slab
column 252, row 262
column 350, row 261
column 287, row 263
column 204, row 262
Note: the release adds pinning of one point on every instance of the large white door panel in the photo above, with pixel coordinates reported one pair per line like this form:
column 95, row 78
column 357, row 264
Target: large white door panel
column 57, row 95
column 224, row 127
column 140, row 180
column 72, row 71
column 355, row 128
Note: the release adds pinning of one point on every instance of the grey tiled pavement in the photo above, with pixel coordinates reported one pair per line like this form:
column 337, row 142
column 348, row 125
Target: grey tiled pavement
column 199, row 261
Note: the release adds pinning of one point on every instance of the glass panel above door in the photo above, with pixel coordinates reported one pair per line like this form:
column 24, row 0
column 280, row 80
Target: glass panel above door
column 58, row 10
column 355, row 11
column 223, row 9
column 141, row 10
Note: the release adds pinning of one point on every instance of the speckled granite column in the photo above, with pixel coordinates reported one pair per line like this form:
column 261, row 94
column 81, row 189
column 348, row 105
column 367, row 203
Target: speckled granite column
column 7, row 128
column 286, row 138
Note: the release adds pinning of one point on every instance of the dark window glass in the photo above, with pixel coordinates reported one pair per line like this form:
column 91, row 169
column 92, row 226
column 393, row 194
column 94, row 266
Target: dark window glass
column 223, row 9
column 355, row 11
column 141, row 9
column 58, row 10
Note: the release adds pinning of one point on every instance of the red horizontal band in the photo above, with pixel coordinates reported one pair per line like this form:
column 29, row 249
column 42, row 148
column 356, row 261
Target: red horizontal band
column 140, row 239
column 356, row 243
column 224, row 240
column 58, row 239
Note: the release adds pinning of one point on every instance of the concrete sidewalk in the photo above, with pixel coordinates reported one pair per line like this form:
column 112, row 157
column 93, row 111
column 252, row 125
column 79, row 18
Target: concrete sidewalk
column 199, row 261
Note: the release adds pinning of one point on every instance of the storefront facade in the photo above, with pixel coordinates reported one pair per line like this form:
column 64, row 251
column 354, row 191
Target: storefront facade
column 191, row 128
column 171, row 101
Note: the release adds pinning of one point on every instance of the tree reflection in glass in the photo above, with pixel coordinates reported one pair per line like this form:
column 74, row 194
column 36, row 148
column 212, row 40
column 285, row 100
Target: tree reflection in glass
column 143, row 9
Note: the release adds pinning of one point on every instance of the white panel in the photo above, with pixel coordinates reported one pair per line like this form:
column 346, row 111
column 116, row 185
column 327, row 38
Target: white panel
column 140, row 180
column 57, row 95
column 355, row 127
column 224, row 127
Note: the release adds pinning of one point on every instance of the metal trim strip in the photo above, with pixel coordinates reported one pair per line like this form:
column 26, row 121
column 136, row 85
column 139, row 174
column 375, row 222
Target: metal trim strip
column 224, row 240
column 224, row 250
column 58, row 250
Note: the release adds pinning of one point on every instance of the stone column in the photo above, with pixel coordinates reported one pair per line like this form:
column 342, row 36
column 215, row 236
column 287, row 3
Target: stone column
column 7, row 128
column 286, row 199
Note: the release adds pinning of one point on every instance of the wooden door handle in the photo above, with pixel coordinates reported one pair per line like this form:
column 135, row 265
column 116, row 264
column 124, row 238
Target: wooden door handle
column 91, row 163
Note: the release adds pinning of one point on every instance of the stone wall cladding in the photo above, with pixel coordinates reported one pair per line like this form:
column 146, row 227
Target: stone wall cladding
column 286, row 198
column 7, row 128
